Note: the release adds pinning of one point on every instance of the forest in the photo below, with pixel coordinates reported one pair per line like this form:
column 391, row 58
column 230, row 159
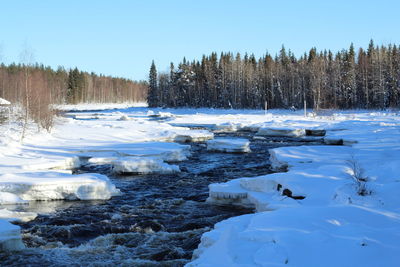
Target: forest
column 36, row 87
column 349, row 79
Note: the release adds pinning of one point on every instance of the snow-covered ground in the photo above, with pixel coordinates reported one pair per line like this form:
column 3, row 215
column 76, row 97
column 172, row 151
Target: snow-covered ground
column 311, row 215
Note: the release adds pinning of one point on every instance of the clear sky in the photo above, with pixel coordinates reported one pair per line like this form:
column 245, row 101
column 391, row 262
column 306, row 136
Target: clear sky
column 121, row 38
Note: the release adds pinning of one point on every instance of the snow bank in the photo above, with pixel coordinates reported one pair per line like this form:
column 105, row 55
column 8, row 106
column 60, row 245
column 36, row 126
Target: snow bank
column 281, row 132
column 143, row 165
column 233, row 145
column 312, row 236
column 313, row 215
column 55, row 185
column 10, row 237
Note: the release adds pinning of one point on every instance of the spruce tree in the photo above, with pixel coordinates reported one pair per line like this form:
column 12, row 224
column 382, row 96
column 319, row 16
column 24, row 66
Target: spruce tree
column 152, row 98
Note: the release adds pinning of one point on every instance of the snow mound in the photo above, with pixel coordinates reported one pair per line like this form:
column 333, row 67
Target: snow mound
column 57, row 185
column 233, row 145
column 281, row 132
column 10, row 237
column 143, row 165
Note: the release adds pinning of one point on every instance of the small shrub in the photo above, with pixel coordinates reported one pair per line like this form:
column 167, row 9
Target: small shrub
column 357, row 174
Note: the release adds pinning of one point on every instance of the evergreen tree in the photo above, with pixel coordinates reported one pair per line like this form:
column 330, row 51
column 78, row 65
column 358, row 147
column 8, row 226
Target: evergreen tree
column 152, row 98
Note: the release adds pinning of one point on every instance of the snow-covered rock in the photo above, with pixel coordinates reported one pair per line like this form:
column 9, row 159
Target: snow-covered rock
column 10, row 237
column 56, row 185
column 281, row 132
column 233, row 145
column 142, row 165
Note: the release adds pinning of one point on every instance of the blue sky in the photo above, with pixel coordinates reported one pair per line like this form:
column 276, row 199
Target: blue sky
column 122, row 37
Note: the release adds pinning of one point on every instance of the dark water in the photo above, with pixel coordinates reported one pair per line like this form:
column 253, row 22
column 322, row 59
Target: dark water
column 157, row 221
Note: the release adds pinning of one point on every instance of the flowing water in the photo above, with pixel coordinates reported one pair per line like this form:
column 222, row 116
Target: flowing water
column 157, row 221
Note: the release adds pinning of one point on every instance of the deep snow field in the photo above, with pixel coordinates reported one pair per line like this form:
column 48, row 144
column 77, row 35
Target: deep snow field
column 324, row 220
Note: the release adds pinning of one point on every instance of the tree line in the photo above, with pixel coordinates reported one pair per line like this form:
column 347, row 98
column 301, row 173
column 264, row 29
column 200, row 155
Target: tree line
column 36, row 87
column 344, row 80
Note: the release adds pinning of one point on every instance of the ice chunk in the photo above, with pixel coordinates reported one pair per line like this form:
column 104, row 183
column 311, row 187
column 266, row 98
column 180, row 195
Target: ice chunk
column 194, row 136
column 238, row 145
column 10, row 237
column 143, row 165
column 281, row 132
column 226, row 127
column 57, row 185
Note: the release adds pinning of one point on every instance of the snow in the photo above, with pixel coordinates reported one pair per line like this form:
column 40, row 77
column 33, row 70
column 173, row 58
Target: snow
column 331, row 224
column 17, row 215
column 142, row 165
column 233, row 145
column 57, row 185
column 98, row 106
column 9, row 198
column 323, row 221
column 10, row 237
column 281, row 132
column 4, row 102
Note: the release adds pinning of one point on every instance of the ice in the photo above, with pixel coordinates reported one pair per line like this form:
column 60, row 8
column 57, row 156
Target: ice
column 10, row 237
column 170, row 152
column 193, row 136
column 281, row 132
column 17, row 215
column 142, row 165
column 9, row 198
column 55, row 185
column 226, row 127
column 233, row 145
